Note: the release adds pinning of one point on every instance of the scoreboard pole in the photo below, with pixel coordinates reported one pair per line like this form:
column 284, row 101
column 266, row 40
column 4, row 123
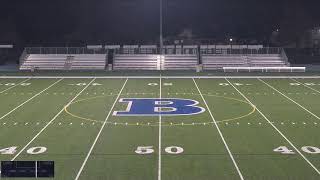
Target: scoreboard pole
column 161, row 27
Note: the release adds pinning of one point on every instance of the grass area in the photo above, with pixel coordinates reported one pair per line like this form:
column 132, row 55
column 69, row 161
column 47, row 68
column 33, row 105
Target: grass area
column 253, row 128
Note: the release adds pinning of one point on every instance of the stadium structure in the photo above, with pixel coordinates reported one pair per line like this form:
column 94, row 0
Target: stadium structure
column 141, row 112
column 150, row 57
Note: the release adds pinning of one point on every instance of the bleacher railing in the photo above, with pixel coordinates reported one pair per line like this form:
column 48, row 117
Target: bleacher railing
column 209, row 51
column 64, row 50
column 165, row 51
column 217, row 51
column 264, row 69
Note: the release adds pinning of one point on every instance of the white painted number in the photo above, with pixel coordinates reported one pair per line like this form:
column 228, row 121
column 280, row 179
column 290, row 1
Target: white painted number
column 14, row 84
column 174, row 150
column 144, row 150
column 295, row 84
column 32, row 150
column 306, row 84
column 311, row 149
column 306, row 149
column 283, row 150
column 156, row 84
column 149, row 150
column 81, row 84
column 167, row 84
column 224, row 84
column 25, row 84
column 10, row 84
column 310, row 84
column 236, row 84
column 153, row 84
column 37, row 150
column 84, row 84
column 9, row 150
column 96, row 84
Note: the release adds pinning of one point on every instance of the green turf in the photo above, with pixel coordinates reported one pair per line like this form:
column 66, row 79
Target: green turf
column 292, row 109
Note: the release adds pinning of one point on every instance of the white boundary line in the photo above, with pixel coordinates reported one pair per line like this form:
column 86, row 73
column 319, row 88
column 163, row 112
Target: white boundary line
column 314, row 115
column 14, row 86
column 50, row 122
column 305, row 85
column 292, row 145
column 220, row 133
column 156, row 77
column 160, row 134
column 98, row 135
column 29, row 99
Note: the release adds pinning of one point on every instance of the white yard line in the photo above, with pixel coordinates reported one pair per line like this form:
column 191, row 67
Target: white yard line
column 220, row 133
column 314, row 115
column 14, row 86
column 269, row 122
column 315, row 90
column 50, row 122
column 101, row 129
column 29, row 99
column 155, row 77
column 159, row 146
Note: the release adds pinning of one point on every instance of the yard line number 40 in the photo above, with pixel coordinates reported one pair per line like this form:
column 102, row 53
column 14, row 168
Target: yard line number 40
column 32, row 150
column 306, row 149
column 14, row 84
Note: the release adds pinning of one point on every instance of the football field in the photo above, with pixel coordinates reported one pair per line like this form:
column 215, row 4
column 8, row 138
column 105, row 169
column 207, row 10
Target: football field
column 164, row 128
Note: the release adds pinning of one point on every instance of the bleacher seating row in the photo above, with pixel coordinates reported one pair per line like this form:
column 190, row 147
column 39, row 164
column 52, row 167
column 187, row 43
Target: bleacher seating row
column 266, row 61
column 136, row 62
column 155, row 62
column 212, row 62
column 64, row 62
column 179, row 62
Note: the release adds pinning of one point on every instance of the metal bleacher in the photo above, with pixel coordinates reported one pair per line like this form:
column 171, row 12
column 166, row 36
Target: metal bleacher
column 211, row 62
column 270, row 60
column 44, row 62
column 63, row 59
column 88, row 62
column 150, row 57
column 136, row 62
column 220, row 56
column 179, row 62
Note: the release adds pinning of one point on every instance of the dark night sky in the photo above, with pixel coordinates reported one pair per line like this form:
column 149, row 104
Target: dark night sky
column 129, row 20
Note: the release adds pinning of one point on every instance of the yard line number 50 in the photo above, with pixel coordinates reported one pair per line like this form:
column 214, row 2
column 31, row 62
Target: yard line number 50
column 143, row 150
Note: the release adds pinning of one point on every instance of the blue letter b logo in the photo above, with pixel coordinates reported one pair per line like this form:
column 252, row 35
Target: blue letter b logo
column 156, row 107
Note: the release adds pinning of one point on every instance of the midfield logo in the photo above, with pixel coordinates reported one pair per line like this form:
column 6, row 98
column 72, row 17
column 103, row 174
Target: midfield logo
column 156, row 107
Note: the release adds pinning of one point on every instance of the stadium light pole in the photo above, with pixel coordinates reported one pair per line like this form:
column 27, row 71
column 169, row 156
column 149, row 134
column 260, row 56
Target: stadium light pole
column 161, row 27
